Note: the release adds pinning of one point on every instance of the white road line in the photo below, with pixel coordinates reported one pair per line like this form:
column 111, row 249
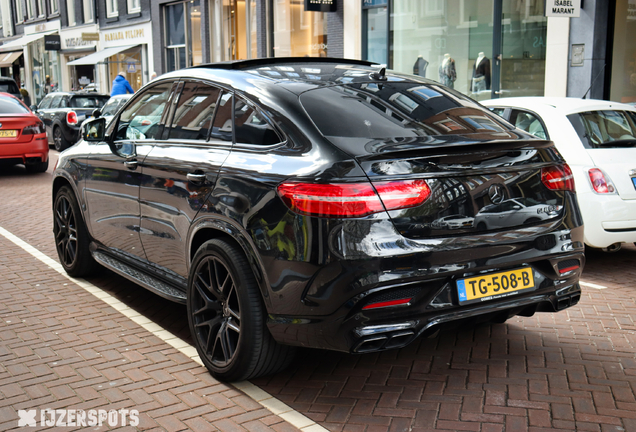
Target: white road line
column 268, row 401
column 591, row 285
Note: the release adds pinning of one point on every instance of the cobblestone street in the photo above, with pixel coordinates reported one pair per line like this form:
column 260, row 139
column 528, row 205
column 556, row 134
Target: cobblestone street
column 63, row 347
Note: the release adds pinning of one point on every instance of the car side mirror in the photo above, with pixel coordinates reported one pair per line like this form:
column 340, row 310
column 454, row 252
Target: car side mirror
column 94, row 130
column 34, row 108
column 97, row 113
column 517, row 207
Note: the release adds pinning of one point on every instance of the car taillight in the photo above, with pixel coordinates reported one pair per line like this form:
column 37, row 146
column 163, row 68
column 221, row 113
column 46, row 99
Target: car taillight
column 34, row 129
column 601, row 184
column 558, row 177
column 71, row 118
column 349, row 200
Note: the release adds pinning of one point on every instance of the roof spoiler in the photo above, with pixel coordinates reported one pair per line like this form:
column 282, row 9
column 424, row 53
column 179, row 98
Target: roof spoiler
column 267, row 61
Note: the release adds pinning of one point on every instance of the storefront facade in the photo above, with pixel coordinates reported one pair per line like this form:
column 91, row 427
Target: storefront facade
column 77, row 43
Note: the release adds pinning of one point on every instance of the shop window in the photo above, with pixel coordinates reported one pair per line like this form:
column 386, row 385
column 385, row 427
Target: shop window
column 134, row 6
column 194, row 113
column 111, row 8
column 129, row 62
column 250, row 127
column 235, row 36
column 298, row 33
column 623, row 82
column 182, row 34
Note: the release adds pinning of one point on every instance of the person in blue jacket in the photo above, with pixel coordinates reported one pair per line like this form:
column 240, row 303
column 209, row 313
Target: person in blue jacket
column 121, row 85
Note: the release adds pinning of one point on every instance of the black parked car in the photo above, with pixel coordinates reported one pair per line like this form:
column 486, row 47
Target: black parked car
column 64, row 112
column 291, row 202
column 8, row 85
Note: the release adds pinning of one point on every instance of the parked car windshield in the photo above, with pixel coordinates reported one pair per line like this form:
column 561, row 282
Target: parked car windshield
column 605, row 129
column 8, row 87
column 9, row 105
column 396, row 109
column 88, row 101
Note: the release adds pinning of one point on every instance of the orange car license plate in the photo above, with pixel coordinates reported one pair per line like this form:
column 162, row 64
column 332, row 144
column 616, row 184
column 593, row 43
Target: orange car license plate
column 8, row 133
column 495, row 285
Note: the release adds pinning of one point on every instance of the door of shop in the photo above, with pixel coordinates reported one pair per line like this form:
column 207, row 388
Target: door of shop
column 482, row 48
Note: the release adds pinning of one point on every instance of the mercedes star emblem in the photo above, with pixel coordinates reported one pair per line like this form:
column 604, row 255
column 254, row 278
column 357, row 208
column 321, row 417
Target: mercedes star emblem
column 496, row 193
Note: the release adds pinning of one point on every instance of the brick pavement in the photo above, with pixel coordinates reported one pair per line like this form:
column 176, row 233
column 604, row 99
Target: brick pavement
column 574, row 370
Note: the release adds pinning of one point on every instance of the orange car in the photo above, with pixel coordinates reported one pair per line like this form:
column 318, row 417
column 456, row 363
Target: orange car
column 22, row 136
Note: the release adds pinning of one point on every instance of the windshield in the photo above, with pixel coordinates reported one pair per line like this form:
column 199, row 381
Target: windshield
column 88, row 101
column 112, row 106
column 396, row 109
column 8, row 87
column 9, row 105
column 605, row 129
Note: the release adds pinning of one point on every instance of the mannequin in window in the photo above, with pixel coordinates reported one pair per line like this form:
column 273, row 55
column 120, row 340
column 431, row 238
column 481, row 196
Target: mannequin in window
column 419, row 68
column 447, row 72
column 481, row 74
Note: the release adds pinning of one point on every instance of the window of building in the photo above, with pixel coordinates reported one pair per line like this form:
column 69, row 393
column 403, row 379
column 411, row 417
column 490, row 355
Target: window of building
column 111, row 8
column 182, row 34
column 134, row 6
column 623, row 83
column 41, row 8
column 235, row 36
column 19, row 12
column 297, row 32
column 89, row 15
column 31, row 9
column 70, row 11
column 194, row 113
column 55, row 6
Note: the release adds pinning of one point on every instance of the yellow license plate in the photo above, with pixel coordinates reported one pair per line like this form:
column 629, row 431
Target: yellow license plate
column 495, row 285
column 8, row 133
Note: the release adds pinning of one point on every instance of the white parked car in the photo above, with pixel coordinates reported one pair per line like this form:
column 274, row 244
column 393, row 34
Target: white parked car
column 598, row 140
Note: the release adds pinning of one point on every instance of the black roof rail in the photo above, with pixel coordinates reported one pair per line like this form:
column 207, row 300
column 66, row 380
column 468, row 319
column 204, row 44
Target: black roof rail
column 267, row 61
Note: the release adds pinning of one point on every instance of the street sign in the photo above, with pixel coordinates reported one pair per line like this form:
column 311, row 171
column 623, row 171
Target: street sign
column 131, row 67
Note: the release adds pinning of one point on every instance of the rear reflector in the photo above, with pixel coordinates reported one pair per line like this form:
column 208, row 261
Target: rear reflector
column 350, row 200
column 558, row 177
column 387, row 303
column 600, row 183
column 568, row 265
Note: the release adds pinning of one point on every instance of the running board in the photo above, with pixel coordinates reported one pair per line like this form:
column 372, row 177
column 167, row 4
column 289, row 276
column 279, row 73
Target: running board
column 151, row 283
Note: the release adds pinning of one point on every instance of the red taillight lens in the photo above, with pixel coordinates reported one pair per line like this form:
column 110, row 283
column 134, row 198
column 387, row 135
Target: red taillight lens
column 600, row 184
column 387, row 304
column 348, row 200
column 71, row 118
column 34, row 129
column 558, row 177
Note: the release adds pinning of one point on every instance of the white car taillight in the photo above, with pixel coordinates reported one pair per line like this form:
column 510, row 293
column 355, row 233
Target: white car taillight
column 601, row 183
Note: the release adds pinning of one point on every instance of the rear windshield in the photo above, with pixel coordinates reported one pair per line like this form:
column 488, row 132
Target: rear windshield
column 9, row 105
column 605, row 129
column 396, row 109
column 9, row 87
column 88, row 101
column 112, row 106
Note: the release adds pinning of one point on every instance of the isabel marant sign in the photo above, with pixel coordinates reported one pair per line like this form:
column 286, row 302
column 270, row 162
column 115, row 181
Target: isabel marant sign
column 563, row 8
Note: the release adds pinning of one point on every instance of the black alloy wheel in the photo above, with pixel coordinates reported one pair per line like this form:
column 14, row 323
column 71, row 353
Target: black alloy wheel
column 227, row 316
column 59, row 142
column 71, row 236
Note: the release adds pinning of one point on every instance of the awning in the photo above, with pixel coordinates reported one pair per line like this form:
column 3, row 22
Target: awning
column 7, row 59
column 19, row 44
column 99, row 56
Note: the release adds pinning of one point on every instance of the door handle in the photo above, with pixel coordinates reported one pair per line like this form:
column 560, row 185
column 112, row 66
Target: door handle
column 196, row 178
column 498, row 92
column 131, row 164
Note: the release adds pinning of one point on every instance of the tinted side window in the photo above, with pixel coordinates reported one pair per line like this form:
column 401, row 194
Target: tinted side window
column 528, row 122
column 250, row 127
column 46, row 102
column 55, row 103
column 195, row 110
column 222, row 125
column 141, row 119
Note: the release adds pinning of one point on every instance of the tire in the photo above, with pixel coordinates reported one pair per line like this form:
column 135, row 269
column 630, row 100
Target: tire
column 59, row 142
column 38, row 167
column 227, row 316
column 481, row 226
column 71, row 237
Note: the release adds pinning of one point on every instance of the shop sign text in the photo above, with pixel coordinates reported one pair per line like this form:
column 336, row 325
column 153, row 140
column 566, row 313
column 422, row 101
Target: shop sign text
column 124, row 35
column 563, row 8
